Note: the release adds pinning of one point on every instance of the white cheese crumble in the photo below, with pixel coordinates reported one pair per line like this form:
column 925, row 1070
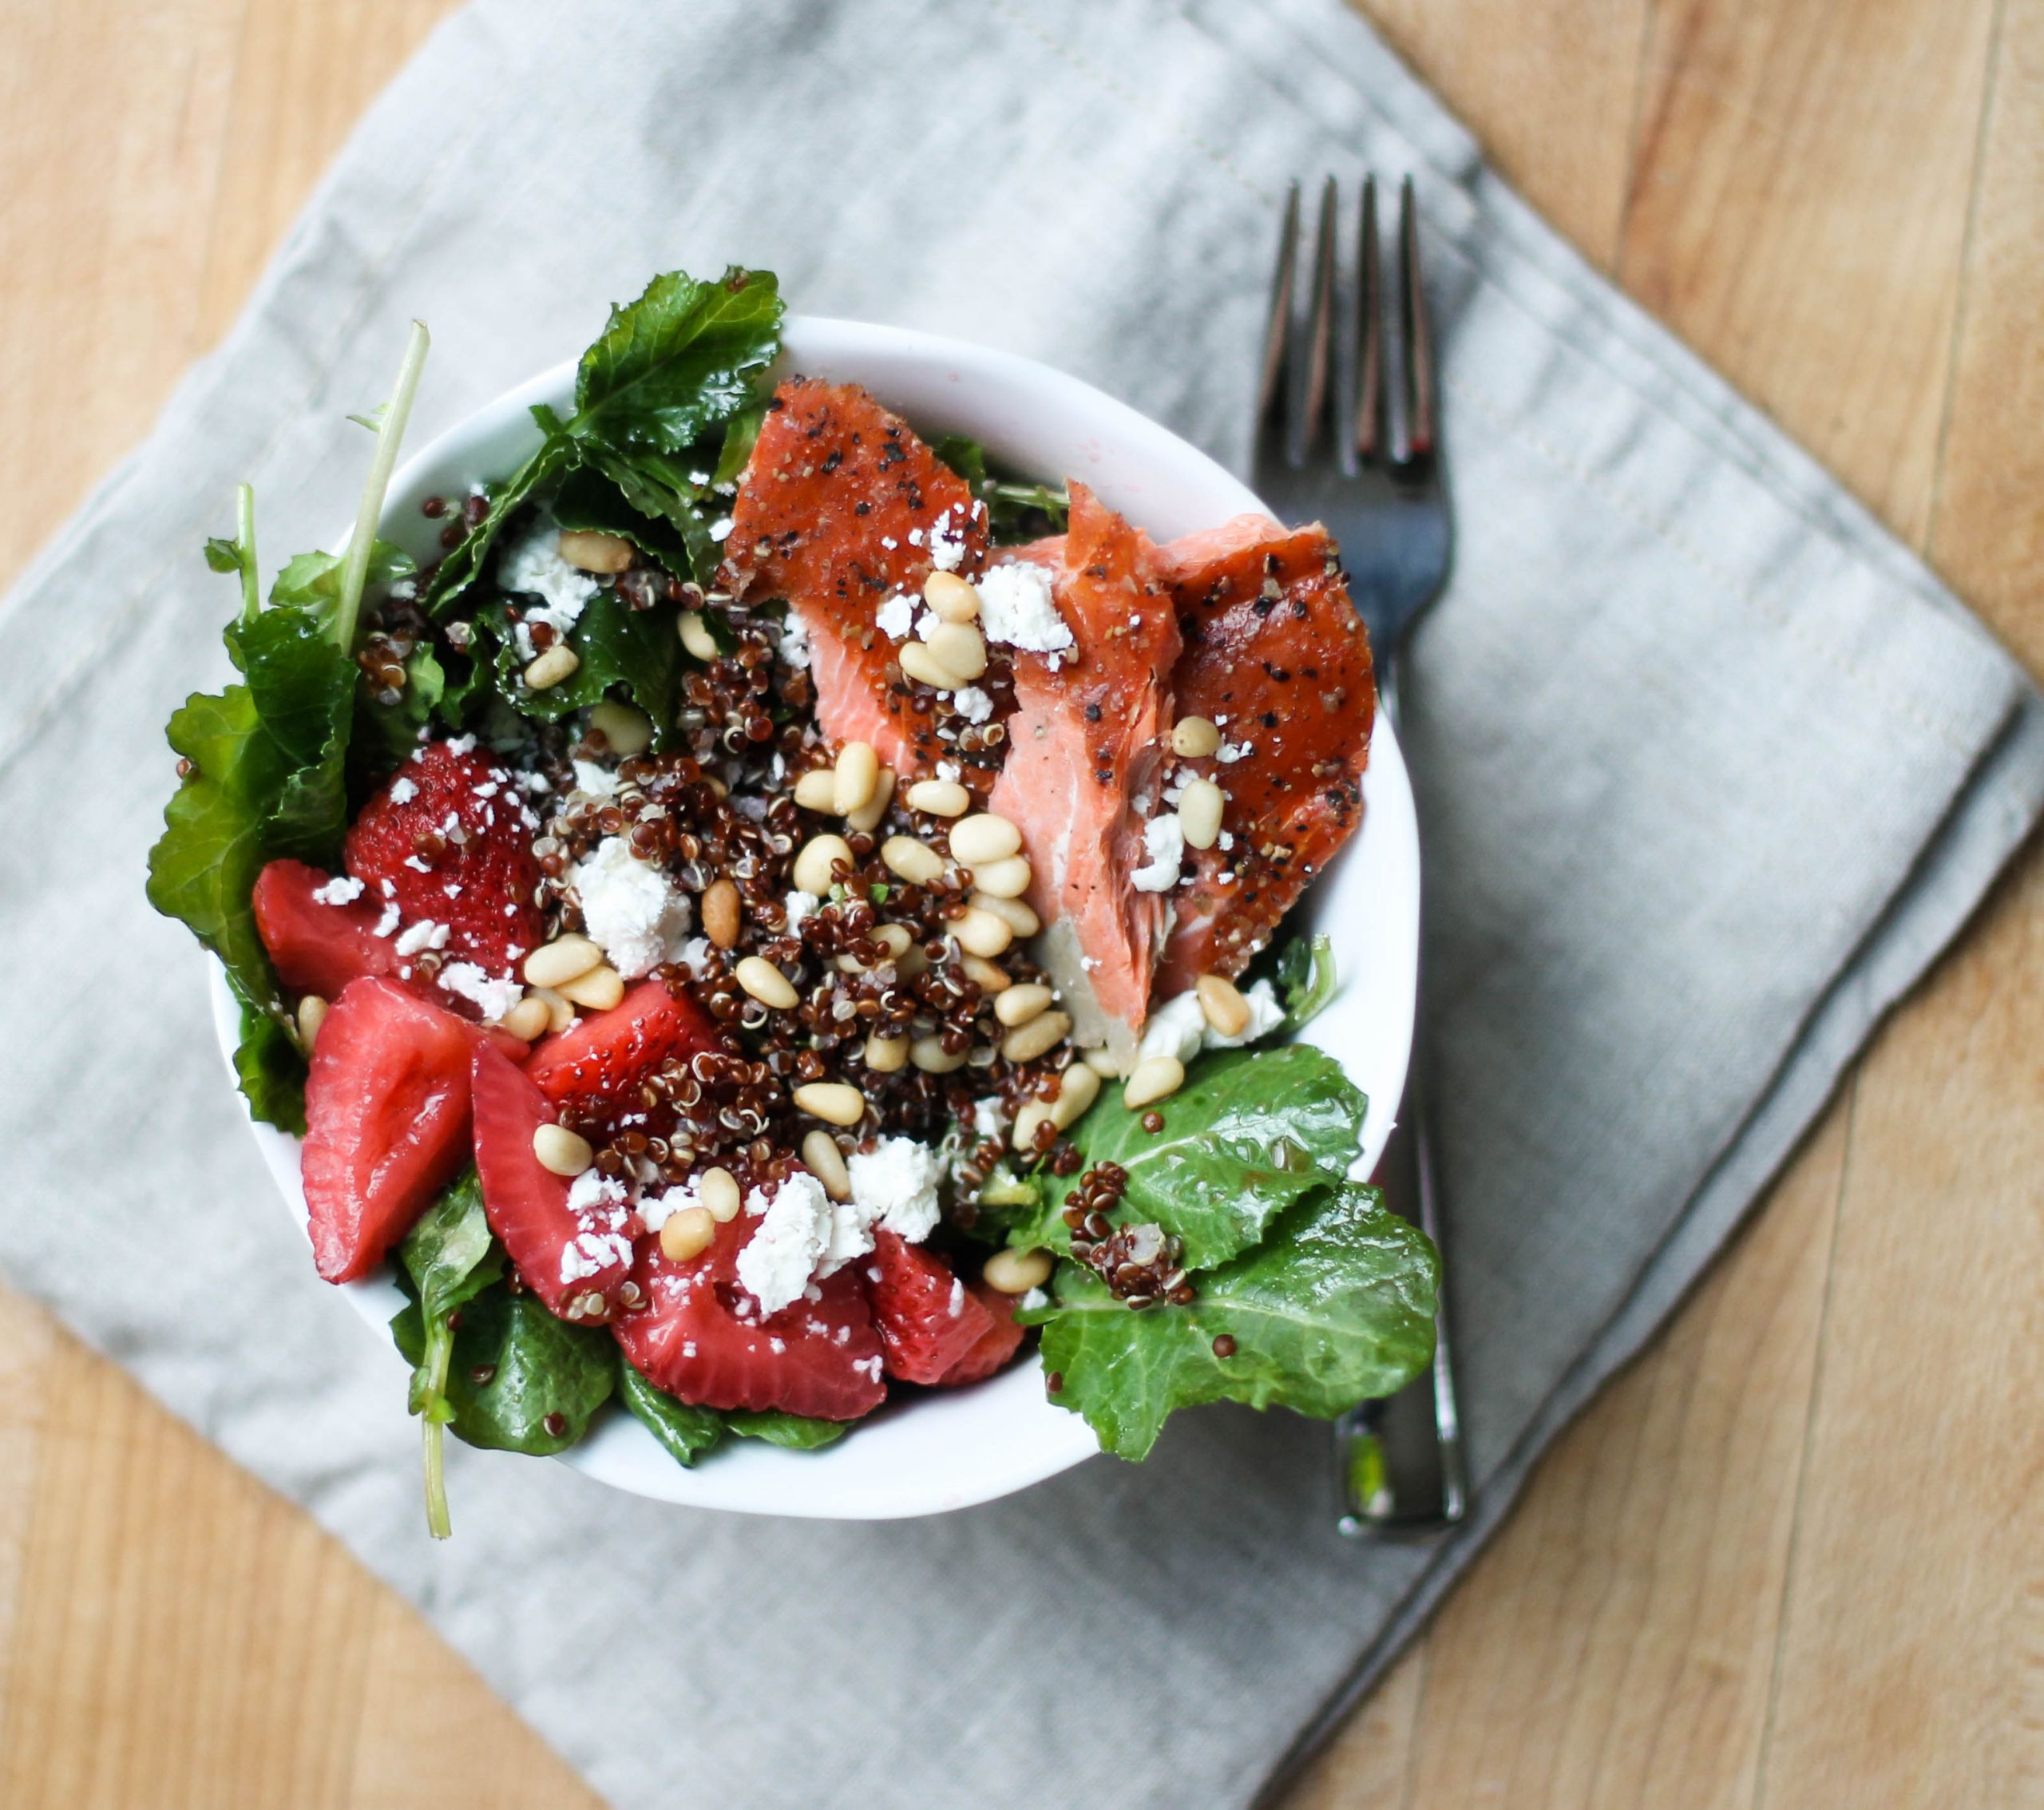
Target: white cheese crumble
column 795, row 642
column 601, row 1205
column 424, row 935
column 1163, row 840
column 629, row 909
column 895, row 1185
column 342, row 891
column 599, row 782
column 798, row 905
column 403, row 791
column 1017, row 607
column 1229, row 752
column 986, row 1118
column 532, row 566
column 493, row 999
column 794, row 1231
column 972, row 703
column 947, row 544
column 1033, row 1299
column 388, row 923
column 896, row 619
column 1179, row 1026
column 655, row 1211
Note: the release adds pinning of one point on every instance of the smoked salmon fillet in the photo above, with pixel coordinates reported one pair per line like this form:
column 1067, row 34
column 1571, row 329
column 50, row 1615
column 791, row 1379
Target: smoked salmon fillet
column 1085, row 744
column 1276, row 656
column 842, row 507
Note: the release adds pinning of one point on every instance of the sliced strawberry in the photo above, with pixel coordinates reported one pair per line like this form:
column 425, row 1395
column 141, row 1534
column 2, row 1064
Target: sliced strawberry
column 317, row 946
column 698, row 1338
column 387, row 1119
column 929, row 1320
column 595, row 1070
column 574, row 1255
column 448, row 839
column 997, row 1344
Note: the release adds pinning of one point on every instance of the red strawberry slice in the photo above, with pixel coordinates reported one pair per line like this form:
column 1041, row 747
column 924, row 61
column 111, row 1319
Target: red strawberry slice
column 315, row 946
column 930, row 1321
column 595, row 1069
column 387, row 1120
column 448, row 839
column 574, row 1253
column 996, row 1345
column 700, row 1338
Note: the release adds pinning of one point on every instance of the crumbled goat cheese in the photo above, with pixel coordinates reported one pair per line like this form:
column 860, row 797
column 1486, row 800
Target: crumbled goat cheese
column 795, row 642
column 532, row 567
column 1016, row 608
column 388, row 923
column 794, row 1230
column 972, row 703
column 798, row 905
column 630, row 909
column 601, row 1205
column 1179, row 1026
column 1229, row 752
column 947, row 544
column 424, row 935
column 493, row 999
column 343, row 891
column 896, row 619
column 694, row 955
column 599, row 782
column 986, row 1118
column 1163, row 840
column 950, row 769
column 655, row 1211
column 403, row 791
column 720, row 530
column 589, row 1253
column 895, row 1185
column 1033, row 1299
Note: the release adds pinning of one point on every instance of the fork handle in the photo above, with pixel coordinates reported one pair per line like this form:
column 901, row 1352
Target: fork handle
column 1370, row 1505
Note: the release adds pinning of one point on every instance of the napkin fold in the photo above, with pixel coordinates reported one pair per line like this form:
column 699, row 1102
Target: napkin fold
column 1709, row 769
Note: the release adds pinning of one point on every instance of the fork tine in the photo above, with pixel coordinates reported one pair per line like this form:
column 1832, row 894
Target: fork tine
column 1319, row 329
column 1370, row 333
column 1418, row 335
column 1271, row 397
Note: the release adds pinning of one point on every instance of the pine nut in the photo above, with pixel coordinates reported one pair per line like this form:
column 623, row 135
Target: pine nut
column 589, row 550
column 765, row 983
column 695, row 636
column 718, row 1190
column 552, row 667
column 560, row 1011
column 628, row 732
column 980, row 933
column 940, row 798
column 1102, row 1064
column 1043, row 1032
column 1008, row 878
column 929, row 1054
column 918, row 663
column 722, row 916
column 886, row 1055
column 866, row 819
column 816, row 789
column 954, row 598
column 1016, row 1272
column 600, row 989
column 561, row 960
column 960, row 647
column 1200, row 805
column 895, row 938
column 687, row 1234
column 826, row 1163
column 1018, row 1005
column 562, row 1151
column 813, row 864
column 1221, row 1001
column 984, row 837
column 1194, row 738
column 856, row 774
column 1080, row 1088
column 916, row 862
column 1154, row 1078
column 832, row 1101
column 1019, row 918
column 311, row 1015
column 911, row 961
column 1033, row 1113
column 984, row 975
column 529, row 1019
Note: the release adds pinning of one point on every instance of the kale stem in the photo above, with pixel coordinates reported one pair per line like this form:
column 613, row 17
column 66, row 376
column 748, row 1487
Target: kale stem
column 437, row 1522
column 362, row 543
column 244, row 534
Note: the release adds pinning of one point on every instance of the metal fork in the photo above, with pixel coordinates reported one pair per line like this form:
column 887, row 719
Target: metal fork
column 1346, row 434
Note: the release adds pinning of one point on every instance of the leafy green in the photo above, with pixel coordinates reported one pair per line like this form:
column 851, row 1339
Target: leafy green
column 451, row 1257
column 588, row 499
column 740, row 437
column 1307, row 979
column 362, row 543
column 1336, row 1306
column 1249, row 1132
column 464, row 563
column 684, row 1431
column 618, row 645
column 513, row 1367
column 790, row 1430
column 1016, row 511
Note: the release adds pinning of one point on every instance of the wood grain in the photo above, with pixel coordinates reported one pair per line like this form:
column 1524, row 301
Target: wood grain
column 1791, row 1558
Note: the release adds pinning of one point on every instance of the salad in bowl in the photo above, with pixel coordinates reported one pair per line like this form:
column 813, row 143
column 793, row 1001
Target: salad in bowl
column 747, row 920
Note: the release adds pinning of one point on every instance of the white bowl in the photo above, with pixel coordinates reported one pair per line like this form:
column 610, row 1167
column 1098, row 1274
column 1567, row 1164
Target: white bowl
column 949, row 1449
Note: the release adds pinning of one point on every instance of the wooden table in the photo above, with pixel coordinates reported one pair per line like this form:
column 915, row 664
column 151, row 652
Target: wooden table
column 1792, row 1557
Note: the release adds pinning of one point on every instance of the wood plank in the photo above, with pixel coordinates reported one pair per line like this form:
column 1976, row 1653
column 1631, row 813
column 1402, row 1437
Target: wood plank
column 1912, row 1668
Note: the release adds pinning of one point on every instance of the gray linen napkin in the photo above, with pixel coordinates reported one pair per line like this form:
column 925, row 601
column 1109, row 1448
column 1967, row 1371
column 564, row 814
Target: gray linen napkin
column 1709, row 769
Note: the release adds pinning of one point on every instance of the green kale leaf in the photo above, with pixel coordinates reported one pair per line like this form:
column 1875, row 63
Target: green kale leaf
column 1336, row 1306
column 617, row 645
column 1307, row 979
